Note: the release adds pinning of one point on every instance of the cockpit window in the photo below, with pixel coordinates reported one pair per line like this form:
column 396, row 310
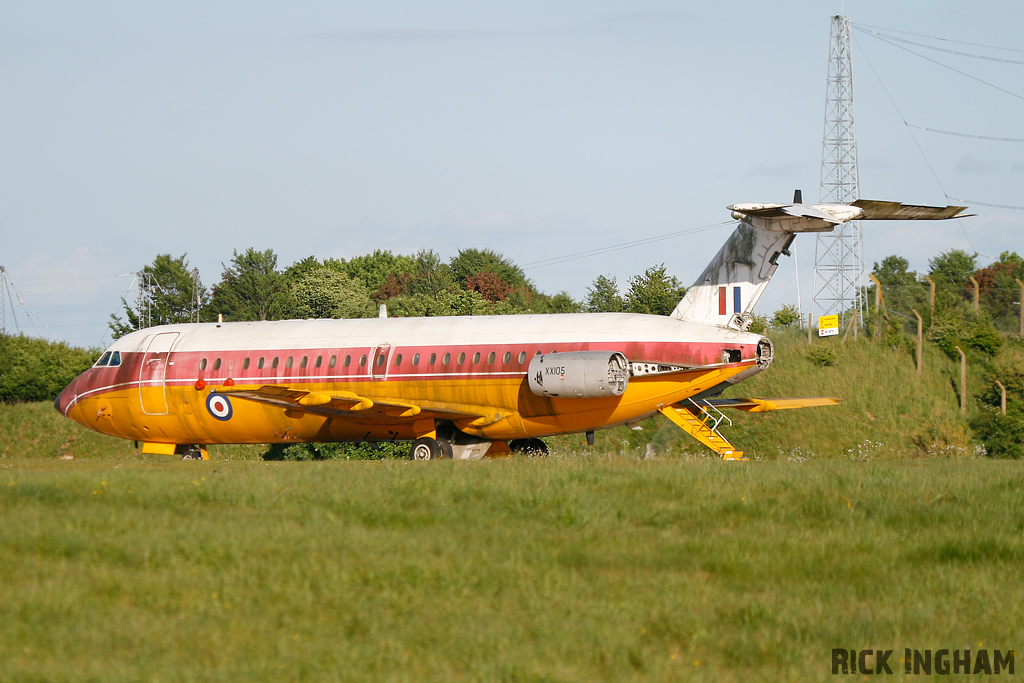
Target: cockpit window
column 109, row 358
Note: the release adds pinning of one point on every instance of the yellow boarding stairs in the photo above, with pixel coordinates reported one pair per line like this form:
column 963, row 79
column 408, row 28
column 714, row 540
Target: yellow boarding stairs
column 701, row 420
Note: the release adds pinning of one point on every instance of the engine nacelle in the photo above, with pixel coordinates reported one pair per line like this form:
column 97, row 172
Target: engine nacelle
column 579, row 374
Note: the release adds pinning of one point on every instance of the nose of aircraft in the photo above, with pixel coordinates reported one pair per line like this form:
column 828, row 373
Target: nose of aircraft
column 64, row 398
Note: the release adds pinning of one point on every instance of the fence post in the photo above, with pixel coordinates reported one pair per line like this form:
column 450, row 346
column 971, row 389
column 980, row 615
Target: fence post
column 920, row 343
column 1021, row 285
column 977, row 293
column 878, row 305
column 1002, row 397
column 963, row 380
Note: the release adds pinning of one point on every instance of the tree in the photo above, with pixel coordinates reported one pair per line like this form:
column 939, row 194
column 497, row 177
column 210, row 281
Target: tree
column 252, row 288
column 325, row 292
column 953, row 267
column 603, row 296
column 375, row 269
column 655, row 292
column 999, row 290
column 894, row 271
column 562, row 303
column 170, row 295
column 488, row 285
column 470, row 262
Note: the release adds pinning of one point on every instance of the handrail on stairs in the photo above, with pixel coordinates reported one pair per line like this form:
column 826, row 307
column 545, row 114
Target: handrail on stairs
column 706, row 408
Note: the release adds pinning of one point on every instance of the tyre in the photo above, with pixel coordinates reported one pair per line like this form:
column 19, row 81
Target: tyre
column 426, row 448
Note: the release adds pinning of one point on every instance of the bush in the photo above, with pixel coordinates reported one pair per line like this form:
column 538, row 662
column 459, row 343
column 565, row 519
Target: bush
column 823, row 355
column 787, row 316
column 36, row 369
column 338, row 451
column 1003, row 435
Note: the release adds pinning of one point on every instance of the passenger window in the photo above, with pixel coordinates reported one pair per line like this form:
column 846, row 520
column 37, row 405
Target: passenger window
column 348, row 361
column 259, row 363
column 274, row 363
column 433, row 358
column 303, row 362
column 446, row 359
column 490, row 358
column 462, row 358
column 522, row 357
column 216, row 364
column 476, row 358
column 398, row 360
column 245, row 364
column 381, row 358
column 319, row 361
column 362, row 361
column 288, row 363
column 115, row 359
column 202, row 364
column 416, row 360
column 507, row 357
column 333, row 361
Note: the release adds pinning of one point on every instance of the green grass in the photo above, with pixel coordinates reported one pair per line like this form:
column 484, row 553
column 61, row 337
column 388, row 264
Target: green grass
column 559, row 569
column 870, row 525
column 887, row 412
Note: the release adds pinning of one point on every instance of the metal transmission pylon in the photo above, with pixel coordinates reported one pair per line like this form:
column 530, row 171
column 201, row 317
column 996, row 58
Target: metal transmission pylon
column 839, row 255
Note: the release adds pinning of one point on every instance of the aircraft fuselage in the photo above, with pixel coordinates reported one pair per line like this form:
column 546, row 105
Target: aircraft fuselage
column 173, row 384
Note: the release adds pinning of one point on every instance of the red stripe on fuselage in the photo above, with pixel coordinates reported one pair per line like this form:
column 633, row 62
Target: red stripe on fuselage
column 184, row 366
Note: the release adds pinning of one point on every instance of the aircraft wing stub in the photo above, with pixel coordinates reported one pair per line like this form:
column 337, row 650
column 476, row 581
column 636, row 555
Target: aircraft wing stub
column 764, row 405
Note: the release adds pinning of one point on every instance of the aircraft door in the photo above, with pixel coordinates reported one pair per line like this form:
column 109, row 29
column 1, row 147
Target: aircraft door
column 153, row 374
column 381, row 355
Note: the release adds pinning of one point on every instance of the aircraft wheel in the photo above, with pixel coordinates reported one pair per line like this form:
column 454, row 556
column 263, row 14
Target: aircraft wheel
column 191, row 453
column 426, row 448
column 531, row 447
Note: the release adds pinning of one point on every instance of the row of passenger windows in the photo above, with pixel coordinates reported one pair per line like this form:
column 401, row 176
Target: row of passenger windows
column 379, row 362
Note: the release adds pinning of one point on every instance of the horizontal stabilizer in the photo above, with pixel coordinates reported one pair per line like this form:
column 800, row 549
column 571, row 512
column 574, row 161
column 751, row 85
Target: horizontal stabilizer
column 894, row 211
column 764, row 405
column 727, row 291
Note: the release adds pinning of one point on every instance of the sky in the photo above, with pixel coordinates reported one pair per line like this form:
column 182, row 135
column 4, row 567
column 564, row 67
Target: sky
column 540, row 130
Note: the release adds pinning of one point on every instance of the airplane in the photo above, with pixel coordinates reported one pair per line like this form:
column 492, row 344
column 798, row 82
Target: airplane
column 463, row 387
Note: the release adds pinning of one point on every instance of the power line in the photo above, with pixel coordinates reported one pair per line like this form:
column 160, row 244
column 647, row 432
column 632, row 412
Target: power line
column 965, row 135
column 946, row 66
column 939, row 49
column 996, row 206
column 947, row 40
column 619, row 247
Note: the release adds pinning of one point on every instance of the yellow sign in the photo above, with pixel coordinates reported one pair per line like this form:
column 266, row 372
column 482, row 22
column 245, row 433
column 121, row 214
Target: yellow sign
column 828, row 325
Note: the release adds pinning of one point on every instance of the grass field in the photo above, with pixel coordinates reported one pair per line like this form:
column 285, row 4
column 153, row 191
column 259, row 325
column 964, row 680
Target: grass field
column 559, row 569
column 873, row 525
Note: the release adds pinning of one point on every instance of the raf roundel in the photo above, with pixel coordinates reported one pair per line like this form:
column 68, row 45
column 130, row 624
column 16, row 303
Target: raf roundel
column 219, row 406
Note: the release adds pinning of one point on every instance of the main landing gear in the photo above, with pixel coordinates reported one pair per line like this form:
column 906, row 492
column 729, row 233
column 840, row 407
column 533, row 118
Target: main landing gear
column 427, row 448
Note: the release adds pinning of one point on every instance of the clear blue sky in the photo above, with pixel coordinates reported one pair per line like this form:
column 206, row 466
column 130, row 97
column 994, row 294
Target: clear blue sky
column 536, row 129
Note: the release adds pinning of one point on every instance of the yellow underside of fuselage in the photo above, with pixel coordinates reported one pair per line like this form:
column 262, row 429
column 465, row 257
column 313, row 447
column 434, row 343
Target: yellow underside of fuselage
column 496, row 409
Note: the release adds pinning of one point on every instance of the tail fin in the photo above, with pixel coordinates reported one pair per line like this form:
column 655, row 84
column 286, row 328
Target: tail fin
column 728, row 289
